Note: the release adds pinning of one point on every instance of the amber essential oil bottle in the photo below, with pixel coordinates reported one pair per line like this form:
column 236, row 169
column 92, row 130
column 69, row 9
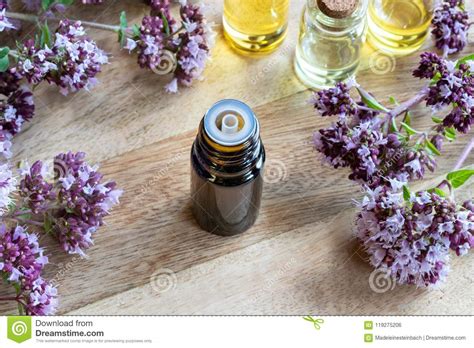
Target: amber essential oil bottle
column 227, row 159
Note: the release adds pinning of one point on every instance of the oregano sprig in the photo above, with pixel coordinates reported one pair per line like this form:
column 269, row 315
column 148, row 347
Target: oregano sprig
column 408, row 234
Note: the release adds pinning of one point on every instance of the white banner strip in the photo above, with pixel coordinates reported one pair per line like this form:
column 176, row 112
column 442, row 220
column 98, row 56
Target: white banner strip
column 236, row 331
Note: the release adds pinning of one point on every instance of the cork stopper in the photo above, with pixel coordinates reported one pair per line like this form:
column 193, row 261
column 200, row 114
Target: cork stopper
column 337, row 8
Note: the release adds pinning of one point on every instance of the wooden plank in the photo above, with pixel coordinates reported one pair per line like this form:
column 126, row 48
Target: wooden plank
column 314, row 269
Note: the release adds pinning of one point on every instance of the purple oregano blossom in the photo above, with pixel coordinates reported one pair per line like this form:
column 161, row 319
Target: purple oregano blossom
column 5, row 24
column 69, row 204
column 450, row 26
column 71, row 63
column 21, row 263
column 452, row 84
column 7, row 187
column 164, row 46
column 71, row 60
column 74, row 204
column 17, row 104
column 366, row 139
column 409, row 237
column 360, row 140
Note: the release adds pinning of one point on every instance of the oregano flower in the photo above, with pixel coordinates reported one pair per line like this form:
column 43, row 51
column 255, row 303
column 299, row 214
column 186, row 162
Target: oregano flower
column 16, row 104
column 68, row 204
column 450, row 26
column 409, row 235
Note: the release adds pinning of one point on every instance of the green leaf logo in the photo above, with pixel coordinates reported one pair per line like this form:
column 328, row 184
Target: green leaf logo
column 316, row 321
column 19, row 328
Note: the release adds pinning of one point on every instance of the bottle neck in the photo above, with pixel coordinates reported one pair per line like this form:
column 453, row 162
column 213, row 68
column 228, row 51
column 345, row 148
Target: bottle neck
column 320, row 19
column 228, row 165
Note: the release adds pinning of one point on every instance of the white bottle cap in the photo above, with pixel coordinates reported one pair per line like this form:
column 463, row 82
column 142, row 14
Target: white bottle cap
column 230, row 122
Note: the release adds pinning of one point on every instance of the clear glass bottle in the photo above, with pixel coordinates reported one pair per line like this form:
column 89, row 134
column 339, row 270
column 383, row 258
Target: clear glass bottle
column 330, row 41
column 255, row 26
column 399, row 27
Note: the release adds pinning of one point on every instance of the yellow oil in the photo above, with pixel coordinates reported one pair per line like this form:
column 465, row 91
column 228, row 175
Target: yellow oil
column 399, row 27
column 255, row 26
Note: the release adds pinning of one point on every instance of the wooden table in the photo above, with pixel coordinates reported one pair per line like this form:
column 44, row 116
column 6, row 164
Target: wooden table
column 299, row 258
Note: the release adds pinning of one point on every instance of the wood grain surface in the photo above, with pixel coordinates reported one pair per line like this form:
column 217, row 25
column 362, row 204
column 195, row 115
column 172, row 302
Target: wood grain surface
column 152, row 258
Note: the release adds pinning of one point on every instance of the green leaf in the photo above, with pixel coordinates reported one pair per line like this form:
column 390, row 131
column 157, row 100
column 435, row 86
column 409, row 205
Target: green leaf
column 436, row 119
column 450, row 133
column 48, row 225
column 121, row 37
column 392, row 100
column 45, row 4
column 166, row 24
column 123, row 26
column 407, row 118
column 459, row 177
column 136, row 30
column 393, row 125
column 440, row 192
column 4, row 51
column 370, row 101
column 123, row 20
column 406, row 193
column 402, row 137
column 408, row 129
column 45, row 36
column 4, row 63
column 37, row 40
column 25, row 216
column 465, row 59
column 66, row 2
column 435, row 78
column 432, row 148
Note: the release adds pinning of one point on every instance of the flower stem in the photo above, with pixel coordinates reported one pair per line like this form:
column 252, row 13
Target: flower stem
column 174, row 32
column 417, row 99
column 25, row 221
column 109, row 27
column 32, row 222
column 21, row 212
column 465, row 153
column 33, row 18
column 366, row 108
column 404, row 107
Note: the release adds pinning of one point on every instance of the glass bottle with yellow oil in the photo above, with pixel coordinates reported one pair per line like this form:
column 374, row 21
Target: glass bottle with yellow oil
column 399, row 27
column 332, row 33
column 255, row 26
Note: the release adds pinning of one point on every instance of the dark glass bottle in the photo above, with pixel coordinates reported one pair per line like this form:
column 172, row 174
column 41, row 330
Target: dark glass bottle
column 227, row 160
